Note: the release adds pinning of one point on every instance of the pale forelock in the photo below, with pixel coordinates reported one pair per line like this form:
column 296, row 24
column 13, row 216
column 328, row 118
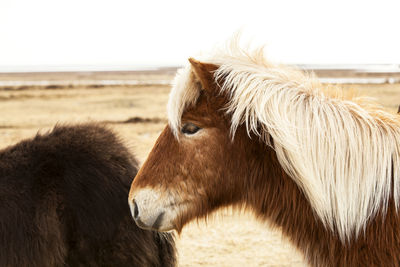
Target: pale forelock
column 183, row 94
column 342, row 152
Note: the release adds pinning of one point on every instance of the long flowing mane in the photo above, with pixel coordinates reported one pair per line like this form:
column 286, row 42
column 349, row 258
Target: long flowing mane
column 343, row 152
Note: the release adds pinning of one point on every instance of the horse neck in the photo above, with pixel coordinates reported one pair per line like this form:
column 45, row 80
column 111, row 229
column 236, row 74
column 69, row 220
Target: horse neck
column 275, row 197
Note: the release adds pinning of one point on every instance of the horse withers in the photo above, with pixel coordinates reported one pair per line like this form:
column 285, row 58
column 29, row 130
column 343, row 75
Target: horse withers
column 243, row 132
column 63, row 203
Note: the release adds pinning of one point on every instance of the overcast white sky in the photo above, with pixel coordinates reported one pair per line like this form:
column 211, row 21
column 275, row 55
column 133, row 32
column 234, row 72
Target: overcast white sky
column 117, row 34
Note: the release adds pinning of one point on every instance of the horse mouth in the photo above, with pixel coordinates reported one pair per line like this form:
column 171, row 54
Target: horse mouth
column 155, row 226
column 141, row 224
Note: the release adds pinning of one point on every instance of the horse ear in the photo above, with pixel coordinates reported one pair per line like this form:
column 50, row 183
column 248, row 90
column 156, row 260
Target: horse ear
column 398, row 111
column 204, row 73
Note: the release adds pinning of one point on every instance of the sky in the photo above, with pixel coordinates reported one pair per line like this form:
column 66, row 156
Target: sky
column 55, row 35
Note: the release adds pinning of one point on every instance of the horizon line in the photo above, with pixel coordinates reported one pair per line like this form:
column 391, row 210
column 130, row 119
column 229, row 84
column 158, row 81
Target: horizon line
column 135, row 68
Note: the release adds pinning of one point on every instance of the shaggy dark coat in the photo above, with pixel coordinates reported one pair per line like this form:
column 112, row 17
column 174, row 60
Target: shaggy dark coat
column 63, row 202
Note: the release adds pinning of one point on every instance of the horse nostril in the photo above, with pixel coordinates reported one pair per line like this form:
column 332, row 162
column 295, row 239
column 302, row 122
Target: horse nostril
column 135, row 210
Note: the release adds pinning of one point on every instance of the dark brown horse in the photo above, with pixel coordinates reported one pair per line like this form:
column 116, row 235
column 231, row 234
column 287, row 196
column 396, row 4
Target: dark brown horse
column 63, row 203
column 244, row 132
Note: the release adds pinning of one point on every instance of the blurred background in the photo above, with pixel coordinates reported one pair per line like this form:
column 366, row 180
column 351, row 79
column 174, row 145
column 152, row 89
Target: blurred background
column 113, row 61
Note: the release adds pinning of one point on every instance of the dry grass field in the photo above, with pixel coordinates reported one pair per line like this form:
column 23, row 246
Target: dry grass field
column 137, row 114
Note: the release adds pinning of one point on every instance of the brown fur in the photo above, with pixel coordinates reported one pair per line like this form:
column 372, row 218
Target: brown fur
column 214, row 171
column 63, row 203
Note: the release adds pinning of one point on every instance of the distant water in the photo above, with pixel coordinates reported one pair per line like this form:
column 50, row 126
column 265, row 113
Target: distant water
column 83, row 83
column 351, row 80
column 387, row 68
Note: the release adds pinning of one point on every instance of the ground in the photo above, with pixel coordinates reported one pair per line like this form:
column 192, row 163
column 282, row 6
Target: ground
column 137, row 114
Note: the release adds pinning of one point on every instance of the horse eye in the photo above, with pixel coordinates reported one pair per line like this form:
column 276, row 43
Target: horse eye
column 189, row 128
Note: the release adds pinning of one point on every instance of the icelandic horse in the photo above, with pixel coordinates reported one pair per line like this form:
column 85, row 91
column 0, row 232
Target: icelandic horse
column 243, row 132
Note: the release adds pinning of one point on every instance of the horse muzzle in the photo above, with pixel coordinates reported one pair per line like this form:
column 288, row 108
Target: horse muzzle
column 149, row 212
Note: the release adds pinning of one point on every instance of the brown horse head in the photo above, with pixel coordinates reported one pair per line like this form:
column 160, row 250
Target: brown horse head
column 243, row 132
column 192, row 171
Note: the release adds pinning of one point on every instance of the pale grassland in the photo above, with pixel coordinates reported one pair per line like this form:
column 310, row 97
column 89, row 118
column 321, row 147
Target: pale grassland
column 226, row 240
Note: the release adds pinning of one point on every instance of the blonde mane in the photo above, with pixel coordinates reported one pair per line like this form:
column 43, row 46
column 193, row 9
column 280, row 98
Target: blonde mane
column 342, row 152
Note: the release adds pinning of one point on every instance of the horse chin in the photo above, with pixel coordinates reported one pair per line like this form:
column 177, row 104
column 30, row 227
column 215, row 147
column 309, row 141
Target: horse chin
column 165, row 228
column 161, row 227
